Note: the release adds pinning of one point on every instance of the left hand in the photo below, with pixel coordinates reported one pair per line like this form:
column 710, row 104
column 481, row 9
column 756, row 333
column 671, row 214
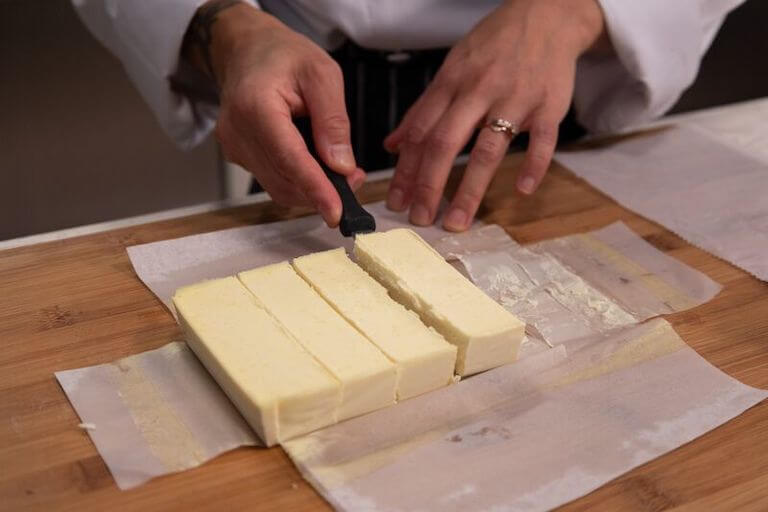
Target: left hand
column 517, row 64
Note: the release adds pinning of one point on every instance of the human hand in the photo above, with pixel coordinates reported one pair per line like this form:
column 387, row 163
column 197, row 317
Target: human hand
column 517, row 64
column 267, row 74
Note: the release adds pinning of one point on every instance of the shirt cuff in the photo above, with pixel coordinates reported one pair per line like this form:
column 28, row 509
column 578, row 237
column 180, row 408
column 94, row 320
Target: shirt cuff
column 657, row 48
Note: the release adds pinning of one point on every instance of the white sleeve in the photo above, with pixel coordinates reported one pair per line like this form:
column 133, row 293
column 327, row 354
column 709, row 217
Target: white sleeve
column 657, row 45
column 146, row 35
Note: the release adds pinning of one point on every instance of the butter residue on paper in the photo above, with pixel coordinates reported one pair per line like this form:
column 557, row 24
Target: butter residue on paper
column 557, row 303
column 638, row 344
column 167, row 436
column 601, row 255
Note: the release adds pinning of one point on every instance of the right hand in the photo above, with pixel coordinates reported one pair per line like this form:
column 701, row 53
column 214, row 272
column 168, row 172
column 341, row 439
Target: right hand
column 267, row 74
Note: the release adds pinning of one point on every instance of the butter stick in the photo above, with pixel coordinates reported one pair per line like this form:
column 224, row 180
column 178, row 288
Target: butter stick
column 367, row 377
column 280, row 389
column 417, row 276
column 424, row 360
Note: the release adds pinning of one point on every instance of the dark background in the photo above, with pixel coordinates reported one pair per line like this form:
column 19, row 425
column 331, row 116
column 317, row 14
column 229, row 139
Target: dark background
column 78, row 145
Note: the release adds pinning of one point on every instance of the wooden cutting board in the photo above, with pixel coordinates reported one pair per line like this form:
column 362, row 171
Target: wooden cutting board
column 77, row 302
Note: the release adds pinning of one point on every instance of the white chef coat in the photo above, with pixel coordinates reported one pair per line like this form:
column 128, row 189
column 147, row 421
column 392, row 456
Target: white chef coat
column 658, row 46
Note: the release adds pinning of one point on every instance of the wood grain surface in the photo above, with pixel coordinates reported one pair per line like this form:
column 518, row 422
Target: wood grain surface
column 77, row 302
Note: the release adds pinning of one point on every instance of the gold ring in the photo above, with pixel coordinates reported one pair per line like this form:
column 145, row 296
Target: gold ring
column 500, row 125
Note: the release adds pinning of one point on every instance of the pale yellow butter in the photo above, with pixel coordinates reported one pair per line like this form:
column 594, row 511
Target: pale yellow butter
column 276, row 384
column 417, row 276
column 367, row 377
column 425, row 361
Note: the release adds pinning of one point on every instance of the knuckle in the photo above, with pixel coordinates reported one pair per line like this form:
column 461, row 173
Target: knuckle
column 545, row 133
column 336, row 125
column 486, row 151
column 324, row 70
column 470, row 197
column 426, row 191
column 404, row 172
column 415, row 134
column 440, row 142
column 539, row 161
column 333, row 69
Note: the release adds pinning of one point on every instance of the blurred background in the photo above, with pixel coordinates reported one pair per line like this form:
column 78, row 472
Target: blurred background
column 78, row 145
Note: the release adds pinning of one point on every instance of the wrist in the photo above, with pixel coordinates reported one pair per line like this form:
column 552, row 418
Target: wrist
column 212, row 33
column 588, row 24
column 234, row 27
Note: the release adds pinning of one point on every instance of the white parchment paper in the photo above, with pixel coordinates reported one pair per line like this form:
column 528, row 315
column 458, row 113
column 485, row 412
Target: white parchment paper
column 714, row 196
column 154, row 413
column 600, row 390
column 527, row 436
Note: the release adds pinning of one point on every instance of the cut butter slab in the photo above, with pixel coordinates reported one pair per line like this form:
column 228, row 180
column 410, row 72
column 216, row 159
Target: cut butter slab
column 278, row 386
column 367, row 377
column 417, row 276
column 425, row 361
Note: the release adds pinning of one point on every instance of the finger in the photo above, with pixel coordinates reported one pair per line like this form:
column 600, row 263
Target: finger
column 414, row 128
column 485, row 157
column 541, row 148
column 393, row 140
column 289, row 156
column 405, row 171
column 279, row 189
column 323, row 92
column 435, row 98
column 356, row 179
column 439, row 151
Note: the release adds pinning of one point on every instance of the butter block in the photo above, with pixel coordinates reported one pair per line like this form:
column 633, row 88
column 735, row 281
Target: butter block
column 368, row 378
column 280, row 389
column 417, row 276
column 424, row 360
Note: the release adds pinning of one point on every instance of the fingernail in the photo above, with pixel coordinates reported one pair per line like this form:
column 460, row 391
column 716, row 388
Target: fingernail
column 420, row 215
column 456, row 220
column 390, row 148
column 526, row 185
column 342, row 155
column 395, row 199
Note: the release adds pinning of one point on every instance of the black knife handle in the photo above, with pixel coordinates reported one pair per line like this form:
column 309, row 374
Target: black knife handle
column 354, row 218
